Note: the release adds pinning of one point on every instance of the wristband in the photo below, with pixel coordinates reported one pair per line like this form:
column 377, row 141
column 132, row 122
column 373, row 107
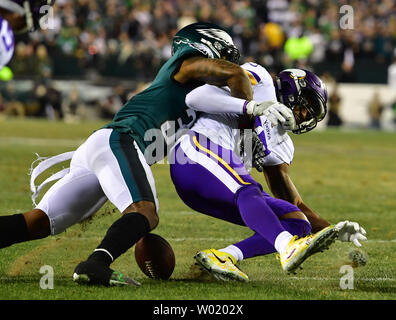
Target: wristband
column 244, row 109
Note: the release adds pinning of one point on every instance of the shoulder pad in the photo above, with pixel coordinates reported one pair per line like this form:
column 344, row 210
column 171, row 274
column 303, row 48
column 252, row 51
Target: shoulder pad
column 257, row 73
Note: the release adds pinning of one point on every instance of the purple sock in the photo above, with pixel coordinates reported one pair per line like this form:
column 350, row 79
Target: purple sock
column 256, row 245
column 257, row 214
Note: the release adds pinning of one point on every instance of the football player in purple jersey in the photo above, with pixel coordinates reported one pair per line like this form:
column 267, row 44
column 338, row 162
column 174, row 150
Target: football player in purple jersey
column 220, row 186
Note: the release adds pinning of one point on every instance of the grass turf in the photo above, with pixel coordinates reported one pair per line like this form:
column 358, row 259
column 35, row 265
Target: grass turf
column 342, row 175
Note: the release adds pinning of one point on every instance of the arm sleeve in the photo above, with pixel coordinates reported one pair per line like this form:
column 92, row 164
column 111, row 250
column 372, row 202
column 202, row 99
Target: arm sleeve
column 212, row 99
column 264, row 92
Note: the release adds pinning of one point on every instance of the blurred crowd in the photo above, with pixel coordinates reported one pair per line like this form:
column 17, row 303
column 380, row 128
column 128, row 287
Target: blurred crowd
column 54, row 100
column 131, row 39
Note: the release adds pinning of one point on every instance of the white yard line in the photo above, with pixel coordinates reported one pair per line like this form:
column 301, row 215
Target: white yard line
column 336, row 279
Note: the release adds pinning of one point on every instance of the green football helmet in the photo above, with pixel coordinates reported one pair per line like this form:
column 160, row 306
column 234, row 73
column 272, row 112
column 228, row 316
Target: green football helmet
column 210, row 39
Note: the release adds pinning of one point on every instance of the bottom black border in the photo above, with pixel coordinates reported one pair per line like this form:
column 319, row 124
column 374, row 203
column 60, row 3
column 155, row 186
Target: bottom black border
column 208, row 309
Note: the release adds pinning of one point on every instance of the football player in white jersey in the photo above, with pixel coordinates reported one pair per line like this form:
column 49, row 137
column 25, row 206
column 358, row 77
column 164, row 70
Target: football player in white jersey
column 219, row 184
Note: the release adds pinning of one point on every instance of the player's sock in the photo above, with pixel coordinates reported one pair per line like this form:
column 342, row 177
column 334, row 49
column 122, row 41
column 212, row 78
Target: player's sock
column 13, row 229
column 258, row 215
column 282, row 241
column 234, row 251
column 121, row 236
column 257, row 246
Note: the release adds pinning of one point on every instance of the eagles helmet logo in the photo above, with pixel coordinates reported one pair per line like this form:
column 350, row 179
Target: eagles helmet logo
column 217, row 34
column 213, row 37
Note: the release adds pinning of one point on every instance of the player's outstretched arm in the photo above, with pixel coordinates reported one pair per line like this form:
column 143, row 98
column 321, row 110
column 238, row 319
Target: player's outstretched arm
column 282, row 187
column 217, row 72
column 213, row 99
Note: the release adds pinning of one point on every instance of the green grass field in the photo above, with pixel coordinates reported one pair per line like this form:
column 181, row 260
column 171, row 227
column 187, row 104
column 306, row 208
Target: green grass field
column 342, row 175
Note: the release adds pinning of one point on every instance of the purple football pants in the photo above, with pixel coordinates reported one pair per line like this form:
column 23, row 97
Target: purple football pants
column 214, row 181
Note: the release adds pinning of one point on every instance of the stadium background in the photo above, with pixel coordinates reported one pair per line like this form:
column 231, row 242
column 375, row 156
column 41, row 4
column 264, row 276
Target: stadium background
column 100, row 53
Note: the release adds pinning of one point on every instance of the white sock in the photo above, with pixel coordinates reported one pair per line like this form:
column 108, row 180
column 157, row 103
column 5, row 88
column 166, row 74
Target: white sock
column 234, row 251
column 282, row 241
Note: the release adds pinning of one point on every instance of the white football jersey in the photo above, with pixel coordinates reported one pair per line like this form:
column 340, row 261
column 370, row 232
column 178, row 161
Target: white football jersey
column 222, row 128
column 6, row 43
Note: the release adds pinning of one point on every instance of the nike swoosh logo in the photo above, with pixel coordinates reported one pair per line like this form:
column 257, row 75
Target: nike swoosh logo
column 288, row 257
column 221, row 260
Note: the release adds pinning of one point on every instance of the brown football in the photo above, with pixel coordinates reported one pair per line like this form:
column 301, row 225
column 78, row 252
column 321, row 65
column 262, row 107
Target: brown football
column 155, row 256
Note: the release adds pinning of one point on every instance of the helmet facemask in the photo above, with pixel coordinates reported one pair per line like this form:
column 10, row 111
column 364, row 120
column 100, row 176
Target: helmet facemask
column 308, row 111
column 223, row 48
column 231, row 53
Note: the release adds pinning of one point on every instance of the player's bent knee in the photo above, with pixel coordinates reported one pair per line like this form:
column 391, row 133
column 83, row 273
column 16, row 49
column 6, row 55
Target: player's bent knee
column 147, row 209
column 294, row 215
column 248, row 191
column 152, row 218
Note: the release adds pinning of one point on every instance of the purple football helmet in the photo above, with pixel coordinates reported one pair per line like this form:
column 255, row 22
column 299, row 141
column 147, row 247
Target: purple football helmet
column 32, row 10
column 302, row 89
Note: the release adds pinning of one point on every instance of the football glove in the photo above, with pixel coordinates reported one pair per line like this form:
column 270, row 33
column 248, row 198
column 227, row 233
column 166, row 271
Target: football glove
column 258, row 152
column 258, row 149
column 290, row 123
column 351, row 232
column 273, row 110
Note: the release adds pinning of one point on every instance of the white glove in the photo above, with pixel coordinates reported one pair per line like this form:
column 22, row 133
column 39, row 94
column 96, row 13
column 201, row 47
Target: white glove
column 290, row 123
column 350, row 232
column 273, row 110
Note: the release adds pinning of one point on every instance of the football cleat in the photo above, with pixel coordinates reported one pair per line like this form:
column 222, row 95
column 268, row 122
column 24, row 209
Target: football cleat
column 92, row 273
column 220, row 265
column 118, row 279
column 299, row 249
